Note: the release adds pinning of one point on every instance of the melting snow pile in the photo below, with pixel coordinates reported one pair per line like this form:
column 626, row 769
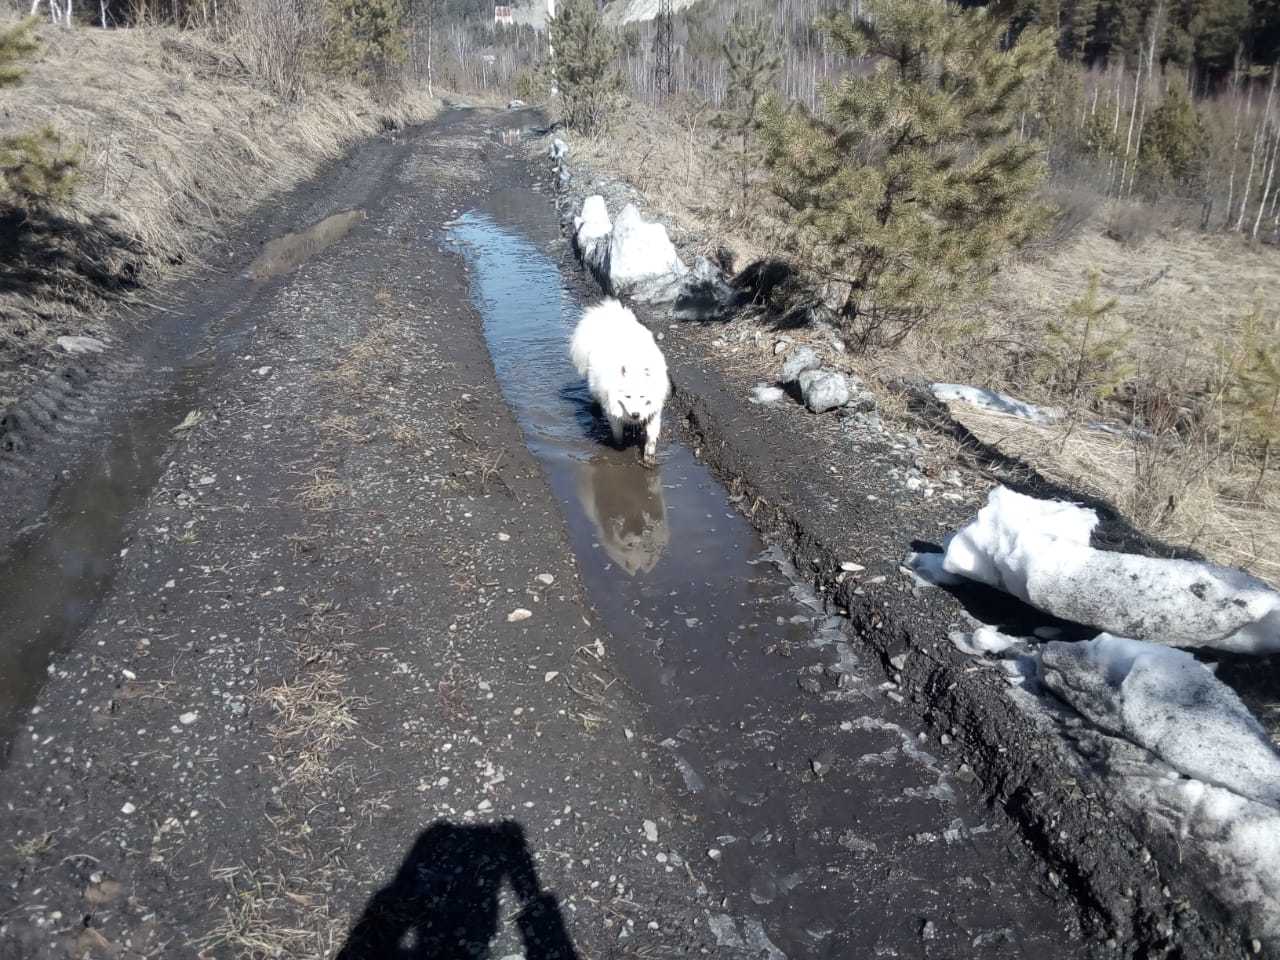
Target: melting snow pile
column 1038, row 550
column 1225, row 818
column 1168, row 702
column 1180, row 748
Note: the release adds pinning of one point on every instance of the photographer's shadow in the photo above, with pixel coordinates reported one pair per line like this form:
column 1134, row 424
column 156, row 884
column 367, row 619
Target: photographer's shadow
column 443, row 903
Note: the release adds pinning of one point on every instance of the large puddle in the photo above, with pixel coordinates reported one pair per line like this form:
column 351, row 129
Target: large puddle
column 831, row 820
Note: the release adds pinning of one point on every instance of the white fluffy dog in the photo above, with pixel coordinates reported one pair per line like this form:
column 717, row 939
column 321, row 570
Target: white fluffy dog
column 626, row 372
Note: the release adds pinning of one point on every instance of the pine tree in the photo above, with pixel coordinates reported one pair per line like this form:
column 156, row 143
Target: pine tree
column 752, row 68
column 910, row 186
column 365, row 39
column 585, row 64
column 17, row 43
column 1084, row 358
column 35, row 171
column 1174, row 145
column 1078, row 28
column 1254, row 396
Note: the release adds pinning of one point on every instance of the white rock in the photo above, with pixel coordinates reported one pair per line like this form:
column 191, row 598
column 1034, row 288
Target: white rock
column 518, row 614
column 651, row 831
column 128, row 808
column 546, row 579
column 263, row 371
column 187, row 719
column 642, row 262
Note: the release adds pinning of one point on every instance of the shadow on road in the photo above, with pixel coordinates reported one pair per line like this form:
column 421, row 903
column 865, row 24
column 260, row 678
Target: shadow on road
column 443, row 903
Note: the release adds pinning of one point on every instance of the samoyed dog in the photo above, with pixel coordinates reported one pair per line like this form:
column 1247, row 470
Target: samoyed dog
column 626, row 372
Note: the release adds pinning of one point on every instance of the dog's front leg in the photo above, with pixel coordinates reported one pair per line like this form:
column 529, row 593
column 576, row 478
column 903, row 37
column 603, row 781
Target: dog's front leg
column 651, row 431
column 617, row 427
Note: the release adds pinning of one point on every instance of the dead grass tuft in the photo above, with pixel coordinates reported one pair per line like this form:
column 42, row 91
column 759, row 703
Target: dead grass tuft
column 322, row 490
column 272, row 917
column 313, row 718
column 35, row 847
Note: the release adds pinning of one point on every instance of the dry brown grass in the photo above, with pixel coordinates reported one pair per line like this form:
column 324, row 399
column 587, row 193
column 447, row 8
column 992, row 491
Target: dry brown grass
column 272, row 916
column 1182, row 490
column 313, row 718
column 671, row 160
column 176, row 140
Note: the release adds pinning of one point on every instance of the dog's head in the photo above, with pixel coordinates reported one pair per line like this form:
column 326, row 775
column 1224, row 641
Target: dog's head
column 636, row 398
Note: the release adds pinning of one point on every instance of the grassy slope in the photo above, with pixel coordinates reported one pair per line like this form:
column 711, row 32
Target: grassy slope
column 176, row 141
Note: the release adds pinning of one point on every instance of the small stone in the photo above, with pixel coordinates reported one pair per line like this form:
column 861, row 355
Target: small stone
column 550, row 675
column 128, row 674
column 714, row 854
column 928, row 931
column 546, row 579
column 780, row 348
column 504, row 537
column 850, row 567
column 651, row 831
column 187, row 719
column 821, row 764
column 899, row 662
column 518, row 614
column 263, row 371
column 1255, row 945
column 128, row 808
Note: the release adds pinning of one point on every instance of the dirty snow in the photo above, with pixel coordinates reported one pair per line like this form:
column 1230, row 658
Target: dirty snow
column 1038, row 551
column 995, row 402
column 642, row 261
column 1168, row 702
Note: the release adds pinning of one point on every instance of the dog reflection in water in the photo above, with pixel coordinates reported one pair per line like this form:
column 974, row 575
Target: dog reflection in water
column 628, row 510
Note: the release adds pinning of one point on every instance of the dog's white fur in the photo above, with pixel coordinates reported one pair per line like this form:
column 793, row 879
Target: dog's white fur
column 626, row 372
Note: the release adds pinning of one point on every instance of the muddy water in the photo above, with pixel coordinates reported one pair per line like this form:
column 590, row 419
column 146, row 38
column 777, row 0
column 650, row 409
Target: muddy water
column 55, row 575
column 836, row 830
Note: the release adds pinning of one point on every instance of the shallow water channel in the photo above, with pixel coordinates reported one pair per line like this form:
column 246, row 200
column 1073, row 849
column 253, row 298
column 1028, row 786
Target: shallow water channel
column 837, row 830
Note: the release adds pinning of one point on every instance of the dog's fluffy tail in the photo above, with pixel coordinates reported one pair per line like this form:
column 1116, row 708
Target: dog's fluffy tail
column 598, row 327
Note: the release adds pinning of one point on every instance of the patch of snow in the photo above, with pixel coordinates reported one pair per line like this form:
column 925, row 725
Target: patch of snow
column 1166, row 701
column 985, row 640
column 642, row 262
column 800, row 360
column 763, row 393
column 1038, row 551
column 77, row 345
column 927, row 570
column 823, row 390
column 995, row 402
column 592, row 228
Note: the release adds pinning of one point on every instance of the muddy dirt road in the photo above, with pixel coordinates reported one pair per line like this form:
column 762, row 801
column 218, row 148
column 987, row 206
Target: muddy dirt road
column 344, row 633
